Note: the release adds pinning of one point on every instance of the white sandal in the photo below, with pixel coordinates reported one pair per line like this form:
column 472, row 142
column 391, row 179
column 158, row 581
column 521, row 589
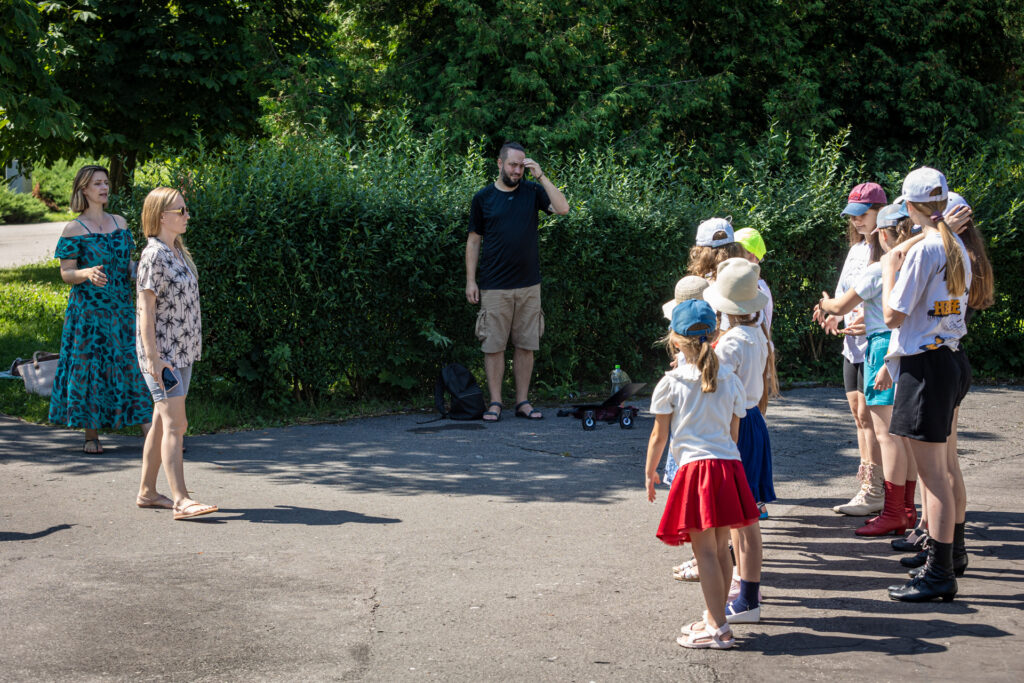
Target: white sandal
column 708, row 640
column 687, row 571
column 696, row 626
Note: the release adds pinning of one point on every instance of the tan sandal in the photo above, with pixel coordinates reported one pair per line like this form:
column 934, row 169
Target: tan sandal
column 687, row 571
column 193, row 509
column 161, row 502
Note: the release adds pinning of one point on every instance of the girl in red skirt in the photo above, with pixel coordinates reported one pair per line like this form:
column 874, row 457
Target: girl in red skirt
column 700, row 405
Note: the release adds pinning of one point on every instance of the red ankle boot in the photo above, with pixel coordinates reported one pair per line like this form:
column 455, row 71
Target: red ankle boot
column 908, row 503
column 893, row 518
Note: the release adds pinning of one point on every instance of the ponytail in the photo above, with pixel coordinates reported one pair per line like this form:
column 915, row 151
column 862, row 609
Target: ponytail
column 707, row 361
column 696, row 350
column 956, row 275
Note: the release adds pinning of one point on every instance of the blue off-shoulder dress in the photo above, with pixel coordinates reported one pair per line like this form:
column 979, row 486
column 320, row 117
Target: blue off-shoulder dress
column 98, row 383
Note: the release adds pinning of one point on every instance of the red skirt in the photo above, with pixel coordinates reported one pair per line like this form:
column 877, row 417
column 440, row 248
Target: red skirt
column 706, row 494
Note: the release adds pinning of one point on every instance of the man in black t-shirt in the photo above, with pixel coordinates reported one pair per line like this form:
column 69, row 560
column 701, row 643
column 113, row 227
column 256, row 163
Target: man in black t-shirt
column 503, row 241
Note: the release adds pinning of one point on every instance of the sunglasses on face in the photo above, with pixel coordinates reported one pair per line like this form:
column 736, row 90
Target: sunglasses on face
column 181, row 212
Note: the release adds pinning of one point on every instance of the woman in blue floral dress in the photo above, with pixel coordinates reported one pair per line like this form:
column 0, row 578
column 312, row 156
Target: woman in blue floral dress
column 98, row 383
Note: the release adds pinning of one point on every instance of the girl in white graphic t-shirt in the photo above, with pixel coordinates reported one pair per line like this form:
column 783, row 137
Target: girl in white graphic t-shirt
column 924, row 299
column 700, row 404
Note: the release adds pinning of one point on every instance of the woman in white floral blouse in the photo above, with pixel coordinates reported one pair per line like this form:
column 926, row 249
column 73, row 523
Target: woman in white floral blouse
column 168, row 342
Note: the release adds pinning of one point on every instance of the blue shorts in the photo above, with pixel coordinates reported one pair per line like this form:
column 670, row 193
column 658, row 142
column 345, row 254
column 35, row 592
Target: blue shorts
column 184, row 376
column 874, row 360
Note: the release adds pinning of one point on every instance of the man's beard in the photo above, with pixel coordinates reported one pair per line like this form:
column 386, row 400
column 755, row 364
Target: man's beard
column 507, row 182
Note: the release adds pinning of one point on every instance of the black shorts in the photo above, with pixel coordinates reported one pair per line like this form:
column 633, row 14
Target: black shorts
column 930, row 387
column 853, row 376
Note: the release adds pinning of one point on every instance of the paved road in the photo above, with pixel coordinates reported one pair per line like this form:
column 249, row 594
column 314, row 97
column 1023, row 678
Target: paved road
column 21, row 245
column 388, row 550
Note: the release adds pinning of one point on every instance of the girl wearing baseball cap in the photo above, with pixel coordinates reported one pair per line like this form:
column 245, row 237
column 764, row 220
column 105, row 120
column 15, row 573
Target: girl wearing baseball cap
column 863, row 204
column 700, row 403
column 924, row 300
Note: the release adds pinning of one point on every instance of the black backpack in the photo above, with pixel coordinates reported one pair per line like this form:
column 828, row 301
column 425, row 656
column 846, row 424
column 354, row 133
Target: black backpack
column 467, row 398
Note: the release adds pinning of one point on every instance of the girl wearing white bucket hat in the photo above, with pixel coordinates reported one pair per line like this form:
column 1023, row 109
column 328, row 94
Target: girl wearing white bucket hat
column 746, row 349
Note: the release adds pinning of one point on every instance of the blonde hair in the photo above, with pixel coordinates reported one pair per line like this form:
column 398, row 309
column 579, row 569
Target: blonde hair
column 956, row 275
column 704, row 260
column 82, row 179
column 153, row 208
column 697, row 352
column 982, row 292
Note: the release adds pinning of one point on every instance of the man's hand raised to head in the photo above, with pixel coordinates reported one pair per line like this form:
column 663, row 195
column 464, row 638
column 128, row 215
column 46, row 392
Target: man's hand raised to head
column 534, row 168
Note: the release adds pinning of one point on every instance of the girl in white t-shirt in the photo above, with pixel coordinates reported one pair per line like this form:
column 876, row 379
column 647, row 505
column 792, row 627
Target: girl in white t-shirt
column 899, row 512
column 746, row 350
column 700, row 404
column 926, row 304
column 861, row 212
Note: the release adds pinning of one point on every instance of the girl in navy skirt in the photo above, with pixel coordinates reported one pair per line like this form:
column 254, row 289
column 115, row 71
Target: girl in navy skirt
column 700, row 403
column 746, row 350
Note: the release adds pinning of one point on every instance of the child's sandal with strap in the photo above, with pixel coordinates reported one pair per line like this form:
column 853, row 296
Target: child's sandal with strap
column 708, row 639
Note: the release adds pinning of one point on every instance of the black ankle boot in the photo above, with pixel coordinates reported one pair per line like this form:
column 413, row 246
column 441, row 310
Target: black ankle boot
column 912, row 542
column 936, row 583
column 918, row 560
column 959, row 564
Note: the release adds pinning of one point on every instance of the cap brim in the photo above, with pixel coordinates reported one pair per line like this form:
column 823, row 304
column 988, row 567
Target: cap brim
column 855, row 209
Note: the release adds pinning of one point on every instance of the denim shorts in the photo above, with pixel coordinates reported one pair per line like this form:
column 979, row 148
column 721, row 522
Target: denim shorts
column 184, row 376
column 874, row 360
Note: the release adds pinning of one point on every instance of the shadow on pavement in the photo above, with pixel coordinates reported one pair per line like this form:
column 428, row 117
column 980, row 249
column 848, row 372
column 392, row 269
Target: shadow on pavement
column 17, row 536
column 290, row 514
column 884, row 635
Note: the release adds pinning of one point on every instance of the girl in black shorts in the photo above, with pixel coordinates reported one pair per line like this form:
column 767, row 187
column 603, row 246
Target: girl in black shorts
column 927, row 303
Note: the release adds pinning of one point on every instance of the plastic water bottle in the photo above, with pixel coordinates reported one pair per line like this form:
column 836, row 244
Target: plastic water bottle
column 619, row 378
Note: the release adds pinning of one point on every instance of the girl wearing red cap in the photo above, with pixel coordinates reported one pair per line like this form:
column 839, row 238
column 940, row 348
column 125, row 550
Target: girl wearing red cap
column 862, row 208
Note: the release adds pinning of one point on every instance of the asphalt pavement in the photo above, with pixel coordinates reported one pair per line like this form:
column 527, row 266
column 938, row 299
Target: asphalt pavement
column 21, row 245
column 384, row 549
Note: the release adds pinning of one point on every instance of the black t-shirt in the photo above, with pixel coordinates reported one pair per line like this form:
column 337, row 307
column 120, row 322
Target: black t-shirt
column 507, row 222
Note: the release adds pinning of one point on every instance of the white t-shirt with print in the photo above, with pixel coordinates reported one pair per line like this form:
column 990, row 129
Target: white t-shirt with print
column 745, row 350
column 869, row 288
column 934, row 317
column 701, row 421
column 857, row 259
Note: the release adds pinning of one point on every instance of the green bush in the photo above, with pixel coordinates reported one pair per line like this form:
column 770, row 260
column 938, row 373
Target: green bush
column 19, row 208
column 327, row 269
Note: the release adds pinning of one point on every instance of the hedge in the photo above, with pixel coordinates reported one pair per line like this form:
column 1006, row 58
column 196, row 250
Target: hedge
column 326, row 268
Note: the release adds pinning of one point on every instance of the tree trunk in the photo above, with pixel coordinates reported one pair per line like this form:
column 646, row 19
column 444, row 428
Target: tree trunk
column 122, row 170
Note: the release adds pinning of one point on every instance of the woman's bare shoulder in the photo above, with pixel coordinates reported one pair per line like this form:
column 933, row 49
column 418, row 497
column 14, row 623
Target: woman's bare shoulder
column 73, row 229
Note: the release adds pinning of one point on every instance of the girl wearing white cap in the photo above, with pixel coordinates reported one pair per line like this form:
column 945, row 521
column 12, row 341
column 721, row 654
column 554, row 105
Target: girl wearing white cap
column 746, row 350
column 863, row 204
column 926, row 305
column 715, row 242
column 958, row 216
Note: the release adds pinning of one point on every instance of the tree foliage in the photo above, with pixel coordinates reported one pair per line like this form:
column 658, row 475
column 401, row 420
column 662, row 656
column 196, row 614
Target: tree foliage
column 130, row 78
column 711, row 73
